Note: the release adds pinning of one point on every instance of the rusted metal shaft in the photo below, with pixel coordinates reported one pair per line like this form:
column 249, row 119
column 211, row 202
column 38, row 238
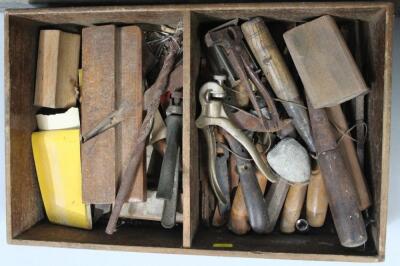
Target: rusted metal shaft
column 129, row 175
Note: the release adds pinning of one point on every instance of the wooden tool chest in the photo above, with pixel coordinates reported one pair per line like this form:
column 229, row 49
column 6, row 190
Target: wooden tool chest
column 26, row 221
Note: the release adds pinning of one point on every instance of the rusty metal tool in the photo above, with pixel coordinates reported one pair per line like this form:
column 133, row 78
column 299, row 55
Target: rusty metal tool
column 253, row 196
column 291, row 161
column 231, row 40
column 239, row 217
column 273, row 65
column 168, row 218
column 174, row 140
column 211, row 97
column 223, row 180
column 159, row 87
column 342, row 196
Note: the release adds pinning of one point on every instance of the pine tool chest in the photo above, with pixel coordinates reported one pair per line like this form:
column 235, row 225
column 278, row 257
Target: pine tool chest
column 247, row 130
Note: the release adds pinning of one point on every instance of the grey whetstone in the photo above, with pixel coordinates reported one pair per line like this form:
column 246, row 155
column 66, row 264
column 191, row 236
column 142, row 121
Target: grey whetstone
column 57, row 69
column 324, row 63
column 98, row 99
column 130, row 90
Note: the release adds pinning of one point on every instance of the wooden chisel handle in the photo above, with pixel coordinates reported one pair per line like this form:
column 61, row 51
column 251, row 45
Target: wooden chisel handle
column 317, row 201
column 342, row 196
column 292, row 208
column 238, row 221
column 346, row 145
column 274, row 67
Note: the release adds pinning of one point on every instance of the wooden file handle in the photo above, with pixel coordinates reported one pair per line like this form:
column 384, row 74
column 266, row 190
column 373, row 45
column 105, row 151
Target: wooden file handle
column 346, row 145
column 238, row 222
column 342, row 196
column 317, row 201
column 292, row 208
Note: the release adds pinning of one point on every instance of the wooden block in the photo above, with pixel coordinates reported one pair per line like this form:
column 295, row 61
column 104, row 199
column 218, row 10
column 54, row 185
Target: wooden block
column 130, row 90
column 98, row 99
column 57, row 69
column 324, row 62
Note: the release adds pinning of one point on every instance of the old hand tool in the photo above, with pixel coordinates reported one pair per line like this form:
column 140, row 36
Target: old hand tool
column 292, row 208
column 317, row 201
column 174, row 136
column 128, row 178
column 211, row 96
column 223, row 180
column 272, row 64
column 231, row 39
column 342, row 196
column 168, row 218
column 253, row 196
column 346, row 145
column 291, row 161
column 239, row 217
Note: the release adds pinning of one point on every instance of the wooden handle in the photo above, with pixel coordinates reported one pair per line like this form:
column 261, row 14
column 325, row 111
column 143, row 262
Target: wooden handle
column 233, row 172
column 220, row 139
column 241, row 95
column 346, row 145
column 274, row 67
column 218, row 220
column 317, row 201
column 342, row 196
column 160, row 146
column 292, row 208
column 238, row 222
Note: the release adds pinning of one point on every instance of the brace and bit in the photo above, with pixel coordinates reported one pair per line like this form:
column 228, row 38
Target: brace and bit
column 211, row 98
column 231, row 40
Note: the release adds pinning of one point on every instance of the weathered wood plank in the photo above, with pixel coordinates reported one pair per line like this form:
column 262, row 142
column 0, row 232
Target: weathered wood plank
column 130, row 91
column 98, row 99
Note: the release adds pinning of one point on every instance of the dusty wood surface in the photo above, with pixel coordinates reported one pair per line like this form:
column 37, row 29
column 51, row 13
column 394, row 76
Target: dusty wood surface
column 130, row 90
column 190, row 152
column 57, row 69
column 98, row 100
column 324, row 63
column 23, row 198
column 24, row 203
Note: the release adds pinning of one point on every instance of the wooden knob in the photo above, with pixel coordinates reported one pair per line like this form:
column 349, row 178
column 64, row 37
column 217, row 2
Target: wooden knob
column 292, row 208
column 317, row 200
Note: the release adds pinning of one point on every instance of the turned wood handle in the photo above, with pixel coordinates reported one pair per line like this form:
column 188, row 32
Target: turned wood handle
column 346, row 145
column 317, row 201
column 238, row 222
column 274, row 67
column 219, row 138
column 292, row 208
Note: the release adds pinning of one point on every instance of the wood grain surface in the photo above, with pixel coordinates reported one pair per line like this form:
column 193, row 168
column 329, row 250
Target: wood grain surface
column 98, row 101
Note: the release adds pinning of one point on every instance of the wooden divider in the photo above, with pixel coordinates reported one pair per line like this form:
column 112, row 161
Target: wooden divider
column 190, row 179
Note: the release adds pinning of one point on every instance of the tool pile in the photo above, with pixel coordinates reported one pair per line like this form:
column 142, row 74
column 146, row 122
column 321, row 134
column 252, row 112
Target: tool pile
column 129, row 100
column 272, row 147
